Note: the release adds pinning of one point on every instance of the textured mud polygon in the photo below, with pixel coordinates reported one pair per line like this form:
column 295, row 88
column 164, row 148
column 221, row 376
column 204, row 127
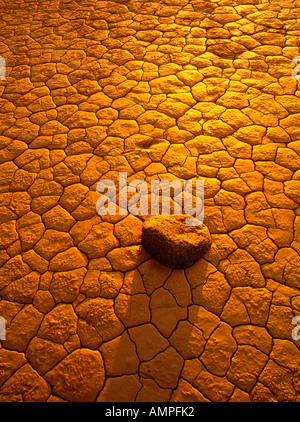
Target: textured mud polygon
column 160, row 90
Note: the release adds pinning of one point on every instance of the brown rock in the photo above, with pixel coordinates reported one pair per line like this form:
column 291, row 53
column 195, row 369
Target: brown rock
column 72, row 343
column 261, row 393
column 257, row 302
column 8, row 234
column 239, row 396
column 81, row 119
column 30, row 235
column 257, row 337
column 133, row 283
column 279, row 321
column 123, row 128
column 91, row 285
column 235, row 312
column 191, row 369
column 8, row 310
column 243, row 270
column 73, row 195
column 198, row 273
column 167, row 84
column 88, row 335
column 129, row 230
column 110, row 283
column 286, row 354
column 35, row 261
column 174, row 244
column 79, row 377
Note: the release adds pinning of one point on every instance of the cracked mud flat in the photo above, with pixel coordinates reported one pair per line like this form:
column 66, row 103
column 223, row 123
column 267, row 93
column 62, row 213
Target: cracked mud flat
column 172, row 90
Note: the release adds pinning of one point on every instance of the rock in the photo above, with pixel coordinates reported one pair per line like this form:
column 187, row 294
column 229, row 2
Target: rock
column 174, row 244
column 179, row 287
column 53, row 242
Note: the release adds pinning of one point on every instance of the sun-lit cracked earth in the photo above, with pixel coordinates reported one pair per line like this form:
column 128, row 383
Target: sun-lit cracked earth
column 169, row 89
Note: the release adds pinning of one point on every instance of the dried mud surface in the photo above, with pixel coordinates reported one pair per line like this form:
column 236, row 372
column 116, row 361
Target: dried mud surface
column 170, row 89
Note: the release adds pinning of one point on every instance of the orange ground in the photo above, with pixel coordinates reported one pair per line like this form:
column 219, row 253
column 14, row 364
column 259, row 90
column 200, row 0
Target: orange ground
column 168, row 89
